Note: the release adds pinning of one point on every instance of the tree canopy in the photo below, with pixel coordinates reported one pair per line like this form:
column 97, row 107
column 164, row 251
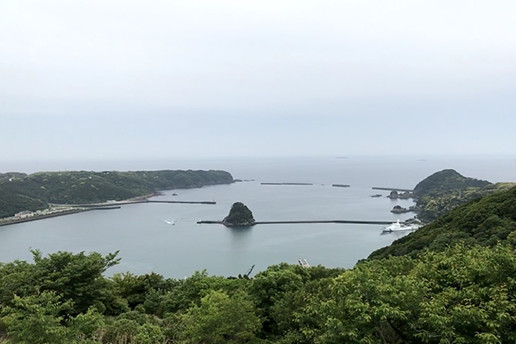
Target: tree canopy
column 461, row 294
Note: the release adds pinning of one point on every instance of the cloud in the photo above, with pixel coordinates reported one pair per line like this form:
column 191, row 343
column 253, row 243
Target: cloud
column 293, row 71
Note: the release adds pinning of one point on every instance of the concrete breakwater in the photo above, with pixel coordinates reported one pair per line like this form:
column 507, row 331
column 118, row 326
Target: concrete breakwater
column 286, row 184
column 182, row 202
column 357, row 222
column 6, row 222
column 391, row 189
column 118, row 203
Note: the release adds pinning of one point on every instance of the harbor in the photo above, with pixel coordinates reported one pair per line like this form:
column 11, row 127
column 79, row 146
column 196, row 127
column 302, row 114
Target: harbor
column 56, row 210
column 34, row 216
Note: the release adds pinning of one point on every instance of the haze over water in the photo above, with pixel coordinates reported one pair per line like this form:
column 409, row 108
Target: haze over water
column 148, row 243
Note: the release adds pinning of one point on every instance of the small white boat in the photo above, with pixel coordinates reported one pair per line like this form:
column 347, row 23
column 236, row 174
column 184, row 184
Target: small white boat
column 398, row 227
column 170, row 222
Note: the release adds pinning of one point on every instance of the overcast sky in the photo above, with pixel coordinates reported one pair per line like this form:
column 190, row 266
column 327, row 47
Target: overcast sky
column 100, row 79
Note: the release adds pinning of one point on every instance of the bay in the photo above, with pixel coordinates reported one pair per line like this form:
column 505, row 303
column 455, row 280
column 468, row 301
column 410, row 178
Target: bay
column 166, row 239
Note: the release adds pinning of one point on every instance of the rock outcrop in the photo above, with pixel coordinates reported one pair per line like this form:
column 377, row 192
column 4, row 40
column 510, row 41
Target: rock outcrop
column 393, row 194
column 239, row 215
column 399, row 210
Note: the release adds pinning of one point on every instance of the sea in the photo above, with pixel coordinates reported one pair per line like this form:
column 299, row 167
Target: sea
column 166, row 239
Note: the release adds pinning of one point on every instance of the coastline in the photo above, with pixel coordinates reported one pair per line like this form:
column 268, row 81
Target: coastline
column 42, row 217
column 77, row 208
column 69, row 209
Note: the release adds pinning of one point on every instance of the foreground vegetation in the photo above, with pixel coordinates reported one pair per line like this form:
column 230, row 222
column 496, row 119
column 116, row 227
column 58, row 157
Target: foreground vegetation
column 459, row 295
column 460, row 291
column 33, row 192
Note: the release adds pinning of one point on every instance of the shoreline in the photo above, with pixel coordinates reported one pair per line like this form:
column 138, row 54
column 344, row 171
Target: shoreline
column 56, row 214
column 79, row 208
column 42, row 217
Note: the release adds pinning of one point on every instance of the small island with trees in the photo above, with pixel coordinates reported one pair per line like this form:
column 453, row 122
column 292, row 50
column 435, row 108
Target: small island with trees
column 239, row 215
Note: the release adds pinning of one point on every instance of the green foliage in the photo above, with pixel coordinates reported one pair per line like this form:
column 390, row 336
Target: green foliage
column 36, row 319
column 10, row 176
column 135, row 289
column 17, row 278
column 87, row 326
column 149, row 334
column 446, row 180
column 221, row 319
column 460, row 295
column 189, row 292
column 77, row 277
column 472, row 295
column 12, row 203
column 121, row 331
column 269, row 286
column 281, row 291
column 35, row 191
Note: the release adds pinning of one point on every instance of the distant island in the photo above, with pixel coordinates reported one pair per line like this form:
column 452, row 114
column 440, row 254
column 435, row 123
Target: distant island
column 21, row 193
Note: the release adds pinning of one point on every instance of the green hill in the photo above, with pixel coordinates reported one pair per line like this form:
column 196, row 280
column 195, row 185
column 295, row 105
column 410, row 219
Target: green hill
column 20, row 192
column 483, row 221
column 437, row 194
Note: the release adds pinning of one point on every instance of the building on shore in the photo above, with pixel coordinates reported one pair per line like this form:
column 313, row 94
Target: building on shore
column 24, row 214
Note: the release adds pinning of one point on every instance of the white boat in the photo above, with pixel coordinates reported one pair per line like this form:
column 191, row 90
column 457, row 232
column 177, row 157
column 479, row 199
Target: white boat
column 398, row 227
column 170, row 222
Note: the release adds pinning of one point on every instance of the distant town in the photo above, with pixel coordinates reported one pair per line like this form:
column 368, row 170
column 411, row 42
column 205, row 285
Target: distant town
column 27, row 215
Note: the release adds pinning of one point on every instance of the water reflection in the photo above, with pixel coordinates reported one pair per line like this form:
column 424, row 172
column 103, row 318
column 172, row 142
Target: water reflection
column 240, row 236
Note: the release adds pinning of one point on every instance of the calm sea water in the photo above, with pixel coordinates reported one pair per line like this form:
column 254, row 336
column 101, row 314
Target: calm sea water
column 147, row 242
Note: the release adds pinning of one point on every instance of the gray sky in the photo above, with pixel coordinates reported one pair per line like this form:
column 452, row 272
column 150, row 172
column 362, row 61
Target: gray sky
column 91, row 79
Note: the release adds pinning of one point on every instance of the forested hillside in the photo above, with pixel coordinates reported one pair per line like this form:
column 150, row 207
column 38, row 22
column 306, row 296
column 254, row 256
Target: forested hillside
column 454, row 283
column 484, row 221
column 439, row 193
column 459, row 295
column 20, row 192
